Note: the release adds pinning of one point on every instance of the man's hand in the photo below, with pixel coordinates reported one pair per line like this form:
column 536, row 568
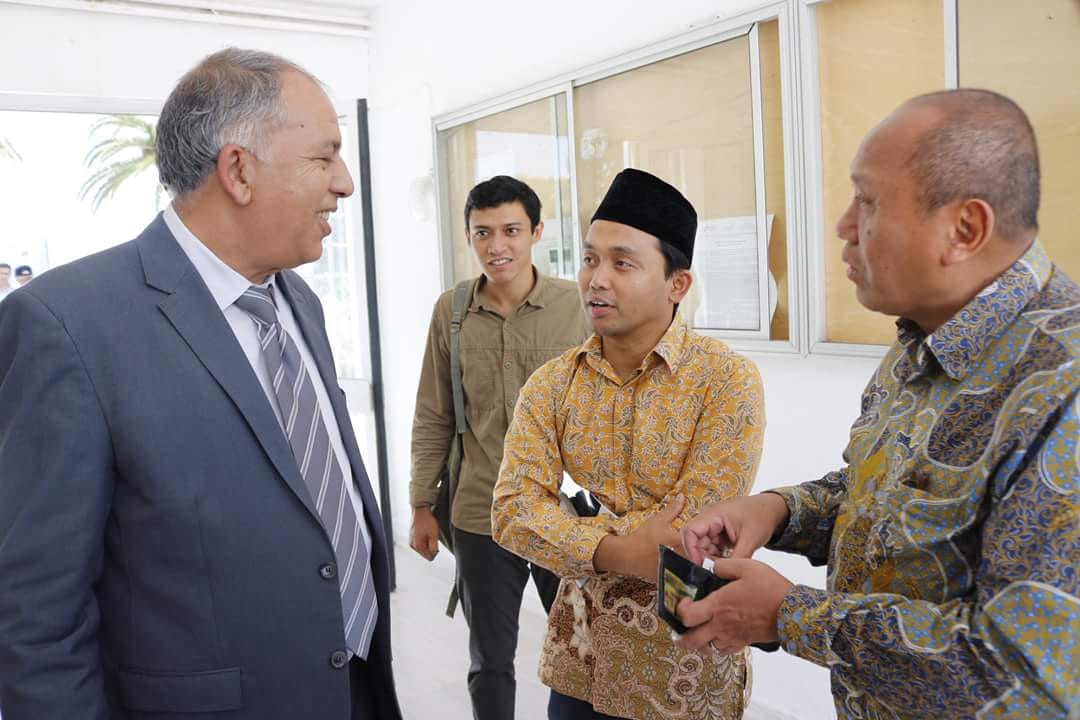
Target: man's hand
column 734, row 528
column 742, row 612
column 637, row 554
column 424, row 533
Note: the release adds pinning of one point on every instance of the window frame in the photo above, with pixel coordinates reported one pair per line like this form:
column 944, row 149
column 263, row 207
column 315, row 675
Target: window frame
column 817, row 243
column 723, row 29
column 801, row 120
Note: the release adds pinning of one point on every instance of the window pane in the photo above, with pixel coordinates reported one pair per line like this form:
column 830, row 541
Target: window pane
column 689, row 120
column 334, row 278
column 45, row 182
column 872, row 56
column 1029, row 51
column 48, row 170
column 529, row 143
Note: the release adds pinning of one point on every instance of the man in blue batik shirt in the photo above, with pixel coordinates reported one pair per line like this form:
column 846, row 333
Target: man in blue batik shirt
column 952, row 533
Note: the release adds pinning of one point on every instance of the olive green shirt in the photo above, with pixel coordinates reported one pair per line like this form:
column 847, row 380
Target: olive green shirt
column 497, row 356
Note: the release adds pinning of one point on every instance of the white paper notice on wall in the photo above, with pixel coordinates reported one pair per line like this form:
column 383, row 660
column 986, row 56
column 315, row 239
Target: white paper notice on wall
column 726, row 266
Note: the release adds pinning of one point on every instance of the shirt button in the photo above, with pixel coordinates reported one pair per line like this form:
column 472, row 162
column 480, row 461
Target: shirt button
column 328, row 571
column 507, row 364
column 338, row 659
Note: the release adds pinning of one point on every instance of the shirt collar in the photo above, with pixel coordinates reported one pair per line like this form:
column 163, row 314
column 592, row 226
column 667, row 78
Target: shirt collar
column 537, row 297
column 225, row 284
column 958, row 343
column 669, row 350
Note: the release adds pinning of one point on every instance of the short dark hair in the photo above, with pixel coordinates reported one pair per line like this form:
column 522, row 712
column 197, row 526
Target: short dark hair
column 674, row 259
column 500, row 190
column 983, row 147
column 5, row 265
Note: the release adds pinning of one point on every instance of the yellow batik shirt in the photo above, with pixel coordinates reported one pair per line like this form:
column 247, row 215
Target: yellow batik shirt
column 690, row 421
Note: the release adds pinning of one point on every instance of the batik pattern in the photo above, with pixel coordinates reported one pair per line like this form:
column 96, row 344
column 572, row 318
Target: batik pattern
column 690, row 421
column 952, row 535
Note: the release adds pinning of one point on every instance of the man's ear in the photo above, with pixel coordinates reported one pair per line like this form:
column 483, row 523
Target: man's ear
column 680, row 285
column 538, row 232
column 973, row 227
column 235, row 170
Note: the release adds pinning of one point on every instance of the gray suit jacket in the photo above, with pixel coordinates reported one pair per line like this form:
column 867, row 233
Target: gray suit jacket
column 159, row 551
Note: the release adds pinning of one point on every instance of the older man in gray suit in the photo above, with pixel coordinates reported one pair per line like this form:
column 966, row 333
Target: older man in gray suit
column 191, row 531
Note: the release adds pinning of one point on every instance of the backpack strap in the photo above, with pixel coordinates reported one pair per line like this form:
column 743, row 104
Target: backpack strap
column 462, row 292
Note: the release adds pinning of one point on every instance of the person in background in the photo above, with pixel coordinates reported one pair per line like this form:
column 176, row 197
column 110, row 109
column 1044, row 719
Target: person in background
column 23, row 274
column 5, row 280
column 515, row 320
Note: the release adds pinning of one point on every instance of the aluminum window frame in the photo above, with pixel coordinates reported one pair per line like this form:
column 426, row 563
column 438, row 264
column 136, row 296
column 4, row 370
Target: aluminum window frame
column 788, row 16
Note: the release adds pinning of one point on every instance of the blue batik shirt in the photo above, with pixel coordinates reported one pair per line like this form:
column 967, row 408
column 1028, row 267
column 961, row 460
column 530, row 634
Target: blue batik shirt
column 951, row 535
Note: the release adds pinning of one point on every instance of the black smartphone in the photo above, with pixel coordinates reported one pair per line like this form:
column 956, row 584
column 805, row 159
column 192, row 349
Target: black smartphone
column 679, row 578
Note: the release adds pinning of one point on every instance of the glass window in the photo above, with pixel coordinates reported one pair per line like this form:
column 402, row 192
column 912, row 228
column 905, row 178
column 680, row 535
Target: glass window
column 690, row 120
column 1025, row 51
column 335, row 279
column 872, row 56
column 529, row 143
column 73, row 184
column 84, row 182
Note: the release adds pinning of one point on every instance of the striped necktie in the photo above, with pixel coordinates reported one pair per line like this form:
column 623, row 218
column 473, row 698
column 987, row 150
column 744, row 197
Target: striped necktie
column 306, row 431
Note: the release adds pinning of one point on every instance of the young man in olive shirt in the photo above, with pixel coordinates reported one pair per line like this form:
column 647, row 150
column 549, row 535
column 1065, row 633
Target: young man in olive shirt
column 515, row 321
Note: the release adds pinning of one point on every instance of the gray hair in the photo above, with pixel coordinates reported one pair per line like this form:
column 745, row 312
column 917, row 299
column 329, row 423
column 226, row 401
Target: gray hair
column 230, row 97
column 982, row 147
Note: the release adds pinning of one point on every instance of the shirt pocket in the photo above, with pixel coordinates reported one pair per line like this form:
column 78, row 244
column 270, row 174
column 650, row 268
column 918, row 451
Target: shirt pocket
column 480, row 380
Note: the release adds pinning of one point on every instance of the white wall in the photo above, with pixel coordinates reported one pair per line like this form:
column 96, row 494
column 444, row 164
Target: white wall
column 66, row 52
column 429, row 58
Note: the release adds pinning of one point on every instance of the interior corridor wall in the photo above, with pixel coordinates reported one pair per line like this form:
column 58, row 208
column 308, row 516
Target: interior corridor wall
column 428, row 58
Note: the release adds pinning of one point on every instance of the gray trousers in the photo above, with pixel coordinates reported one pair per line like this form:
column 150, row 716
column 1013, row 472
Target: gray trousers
column 491, row 582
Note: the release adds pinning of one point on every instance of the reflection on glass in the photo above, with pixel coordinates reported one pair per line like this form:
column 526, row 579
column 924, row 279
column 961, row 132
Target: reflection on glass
column 689, row 120
column 529, row 143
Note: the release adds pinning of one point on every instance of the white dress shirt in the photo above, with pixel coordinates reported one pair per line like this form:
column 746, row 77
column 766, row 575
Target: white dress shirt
column 226, row 286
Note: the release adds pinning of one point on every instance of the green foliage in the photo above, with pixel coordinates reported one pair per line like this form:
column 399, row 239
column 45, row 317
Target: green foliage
column 8, row 151
column 124, row 153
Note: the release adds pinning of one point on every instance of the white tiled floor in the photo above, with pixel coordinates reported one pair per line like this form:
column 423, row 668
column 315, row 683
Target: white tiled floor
column 431, row 652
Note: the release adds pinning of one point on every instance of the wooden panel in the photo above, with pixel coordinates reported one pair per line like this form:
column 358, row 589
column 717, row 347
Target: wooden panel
column 772, row 106
column 1030, row 51
column 873, row 55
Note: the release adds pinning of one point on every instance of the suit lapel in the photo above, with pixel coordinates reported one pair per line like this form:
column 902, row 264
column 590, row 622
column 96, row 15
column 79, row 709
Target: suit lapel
column 191, row 310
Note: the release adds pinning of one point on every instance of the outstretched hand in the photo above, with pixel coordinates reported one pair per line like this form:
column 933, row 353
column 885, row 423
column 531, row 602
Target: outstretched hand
column 734, row 528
